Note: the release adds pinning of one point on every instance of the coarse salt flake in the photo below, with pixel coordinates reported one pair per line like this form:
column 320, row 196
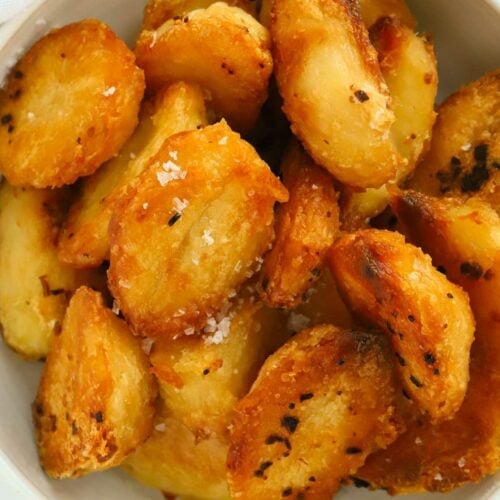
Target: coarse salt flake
column 147, row 345
column 123, row 284
column 31, row 116
column 180, row 205
column 189, row 331
column 161, row 427
column 173, row 154
column 418, row 440
column 115, row 309
column 171, row 172
column 438, row 477
column 153, row 40
column 314, row 186
column 207, row 237
column 461, row 462
column 145, row 205
column 223, row 141
column 466, row 147
column 109, row 91
column 221, row 332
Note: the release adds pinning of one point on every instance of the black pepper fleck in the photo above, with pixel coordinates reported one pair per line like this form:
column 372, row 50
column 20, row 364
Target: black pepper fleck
column 98, row 416
column 411, row 318
column 471, row 269
column 429, row 358
column 361, row 95
column 401, row 360
column 6, row 119
column 390, row 328
column 262, row 468
column 174, row 219
column 290, row 423
column 18, row 74
column 339, row 362
column 312, row 479
column 406, row 395
column 286, row 492
column 360, row 483
column 353, row 450
column 449, row 295
column 306, row 396
column 291, row 406
column 481, row 153
column 206, row 371
column 474, row 180
column 415, row 381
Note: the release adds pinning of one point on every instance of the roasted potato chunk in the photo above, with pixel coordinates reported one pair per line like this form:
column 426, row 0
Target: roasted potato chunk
column 34, row 285
column 306, row 227
column 345, row 125
column 83, row 241
column 49, row 141
column 393, row 285
column 191, row 230
column 157, row 12
column 445, row 456
column 284, row 440
column 201, row 379
column 408, row 66
column 465, row 147
column 223, row 49
column 95, row 401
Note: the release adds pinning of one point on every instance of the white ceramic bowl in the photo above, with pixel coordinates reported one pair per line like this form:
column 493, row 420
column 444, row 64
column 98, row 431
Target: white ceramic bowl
column 467, row 37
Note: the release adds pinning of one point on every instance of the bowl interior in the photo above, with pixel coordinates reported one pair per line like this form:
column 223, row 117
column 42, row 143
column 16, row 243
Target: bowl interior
column 466, row 34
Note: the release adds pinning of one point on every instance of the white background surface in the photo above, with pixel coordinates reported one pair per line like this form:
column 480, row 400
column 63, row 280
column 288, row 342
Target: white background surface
column 467, row 36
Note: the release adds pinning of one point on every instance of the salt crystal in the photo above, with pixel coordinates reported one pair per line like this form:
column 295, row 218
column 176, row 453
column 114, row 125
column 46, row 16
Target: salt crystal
column 418, row 440
column 438, row 477
column 171, row 172
column 237, row 267
column 466, row 147
column 207, row 237
column 221, row 332
column 123, row 284
column 153, row 41
column 31, row 116
column 115, row 308
column 145, row 205
column 189, row 331
column 161, row 427
column 314, row 186
column 180, row 205
column 133, row 156
column 196, row 262
column 109, row 91
column 173, row 154
column 461, row 462
column 179, row 312
column 147, row 345
column 223, row 141
column 297, row 322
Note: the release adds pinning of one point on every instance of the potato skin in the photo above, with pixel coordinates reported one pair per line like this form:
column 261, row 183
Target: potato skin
column 344, row 125
column 171, row 270
column 306, row 227
column 95, row 401
column 464, row 449
column 157, row 12
column 83, row 241
column 394, row 286
column 200, row 383
column 465, row 148
column 408, row 65
column 221, row 48
column 34, row 285
column 46, row 141
column 284, row 440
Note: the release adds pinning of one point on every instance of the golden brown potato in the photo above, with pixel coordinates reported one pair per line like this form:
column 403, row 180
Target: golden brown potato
column 223, row 49
column 306, row 227
column 465, row 146
column 83, row 241
column 201, row 379
column 34, row 285
column 284, row 440
column 333, row 90
column 157, row 12
column 408, row 66
column 190, row 230
column 322, row 304
column 393, row 285
column 69, row 105
column 443, row 457
column 95, row 401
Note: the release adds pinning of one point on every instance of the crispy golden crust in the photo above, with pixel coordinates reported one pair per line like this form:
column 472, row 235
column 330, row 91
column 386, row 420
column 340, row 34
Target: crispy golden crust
column 345, row 124
column 223, row 49
column 200, row 382
column 49, row 141
column 178, row 250
column 408, row 66
column 34, row 285
column 83, row 241
column 306, row 227
column 157, row 12
column 393, row 285
column 443, row 457
column 284, row 440
column 465, row 146
column 95, row 401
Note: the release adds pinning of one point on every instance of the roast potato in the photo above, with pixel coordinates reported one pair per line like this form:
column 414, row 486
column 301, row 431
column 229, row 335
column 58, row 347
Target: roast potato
column 95, row 401
column 190, row 230
column 408, row 66
column 333, row 90
column 321, row 304
column 69, row 105
column 465, row 147
column 83, row 242
column 34, row 285
column 393, row 285
column 201, row 379
column 284, row 440
column 223, row 49
column 445, row 456
column 156, row 12
column 306, row 227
